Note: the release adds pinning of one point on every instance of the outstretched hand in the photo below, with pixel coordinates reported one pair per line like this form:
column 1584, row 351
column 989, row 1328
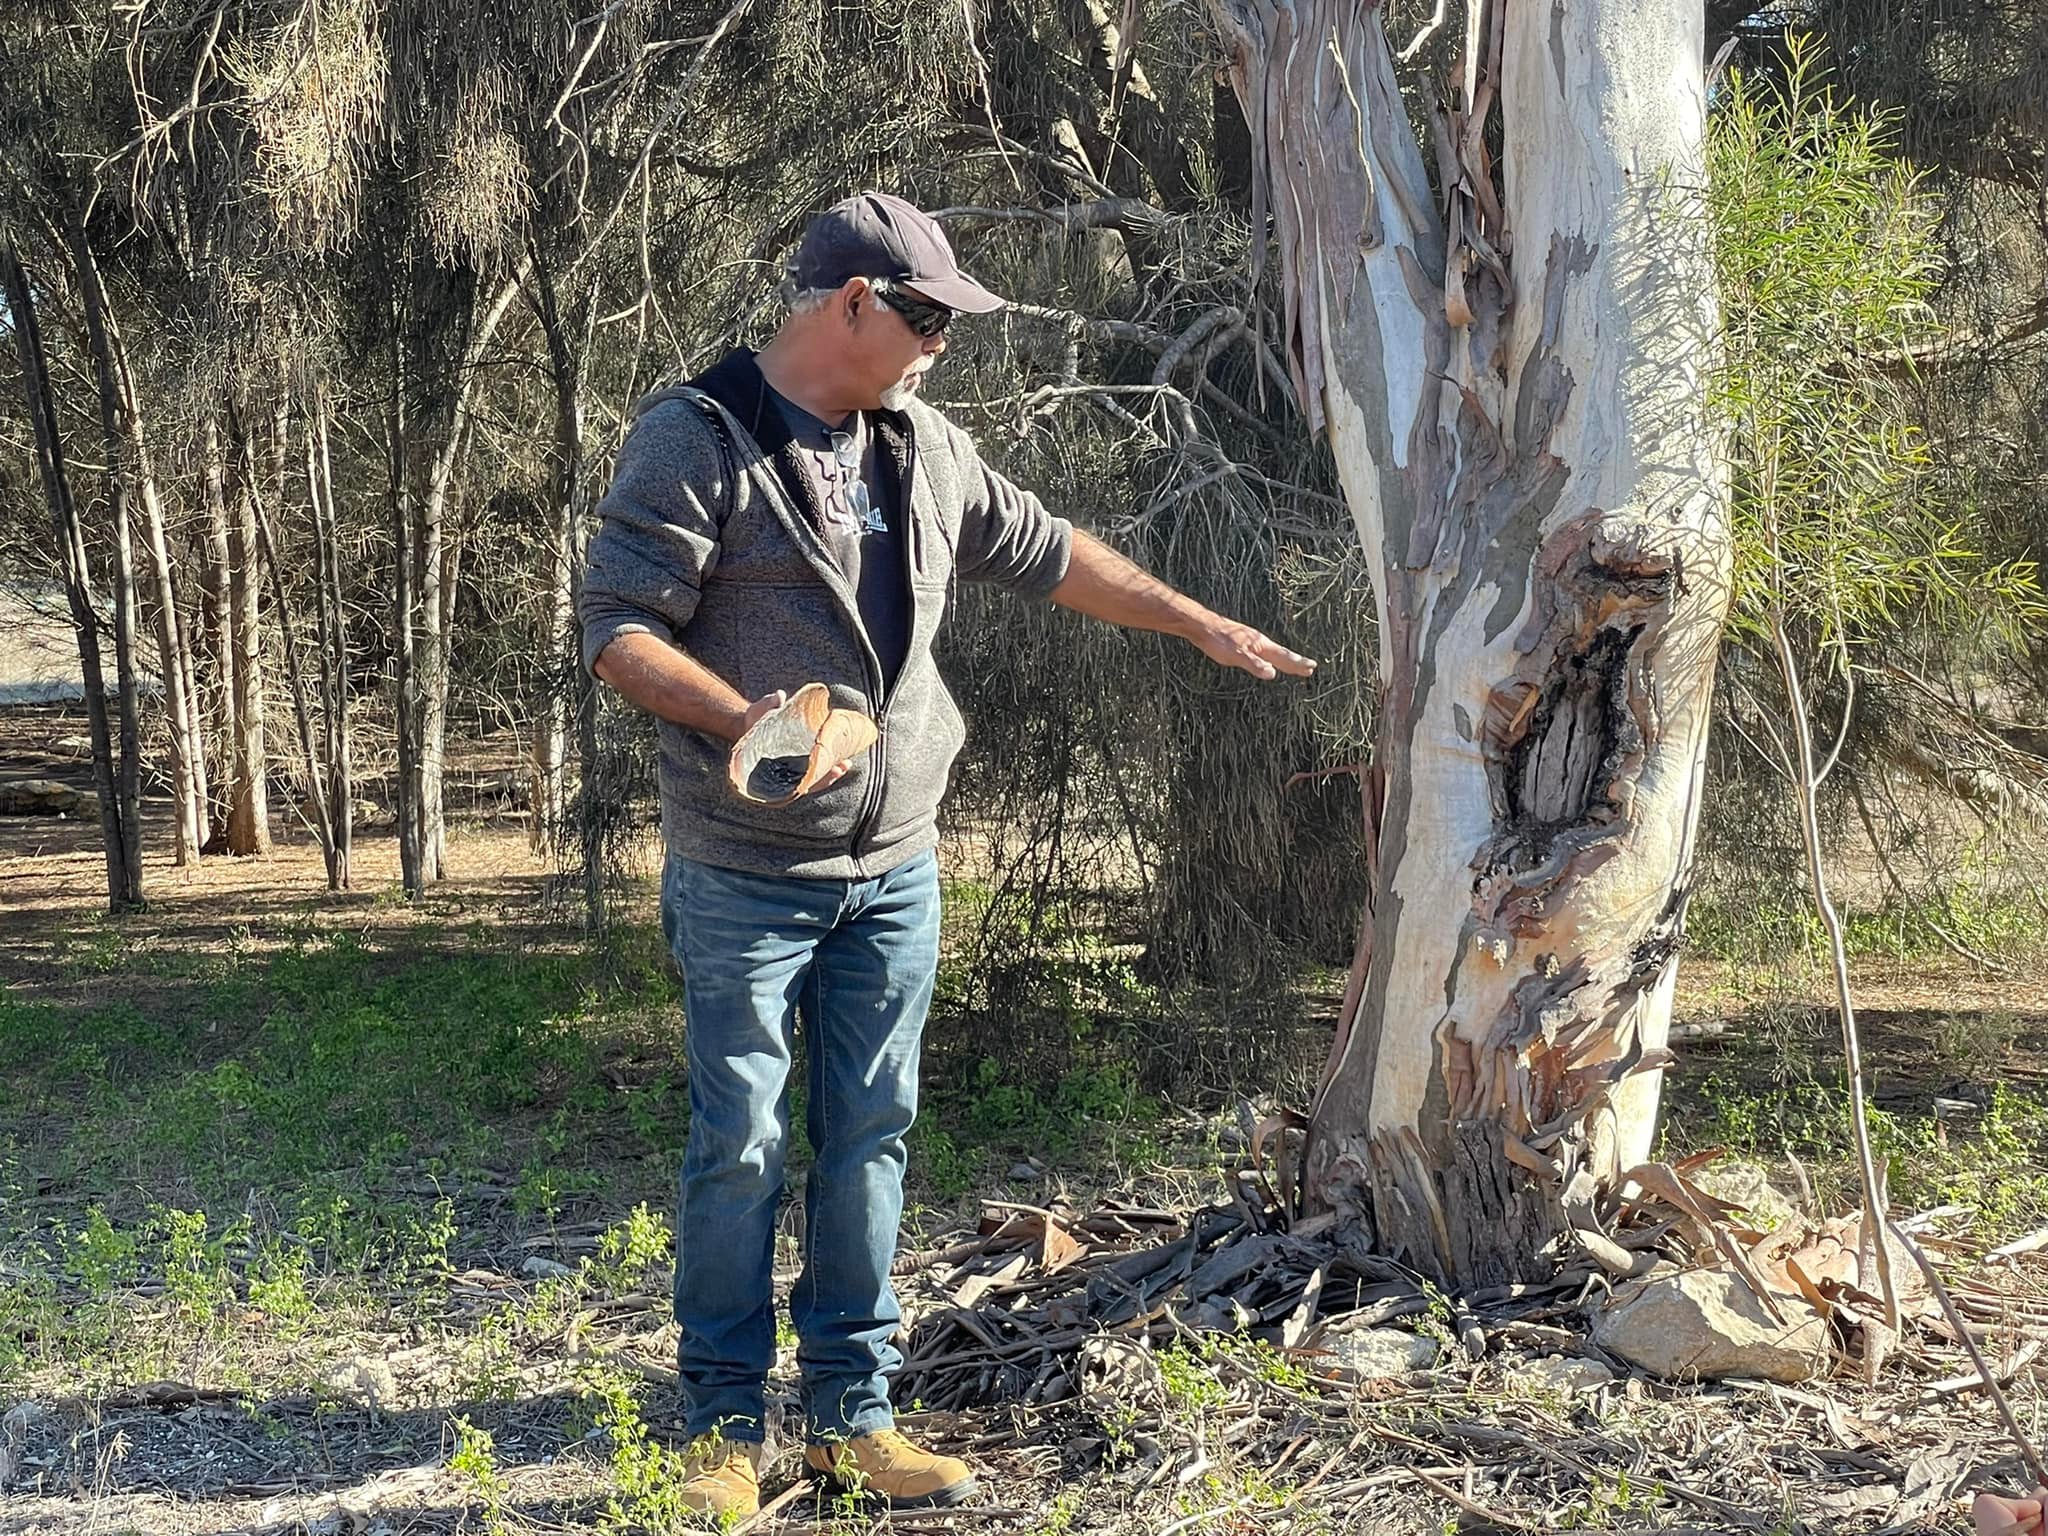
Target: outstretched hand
column 1996, row 1515
column 1231, row 644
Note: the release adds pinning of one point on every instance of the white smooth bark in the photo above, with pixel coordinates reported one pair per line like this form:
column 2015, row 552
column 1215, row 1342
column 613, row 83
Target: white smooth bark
column 1510, row 371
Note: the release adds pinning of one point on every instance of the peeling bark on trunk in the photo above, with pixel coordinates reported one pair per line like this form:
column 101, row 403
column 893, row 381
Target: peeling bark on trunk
column 118, row 786
column 1510, row 375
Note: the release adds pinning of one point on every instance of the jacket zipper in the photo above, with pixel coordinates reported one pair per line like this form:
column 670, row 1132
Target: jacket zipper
column 907, row 507
column 871, row 665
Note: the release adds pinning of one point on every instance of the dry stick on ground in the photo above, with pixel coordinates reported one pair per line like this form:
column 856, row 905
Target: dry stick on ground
column 2028, row 1454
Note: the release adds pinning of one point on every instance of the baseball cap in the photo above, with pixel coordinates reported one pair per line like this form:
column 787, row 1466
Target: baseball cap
column 872, row 234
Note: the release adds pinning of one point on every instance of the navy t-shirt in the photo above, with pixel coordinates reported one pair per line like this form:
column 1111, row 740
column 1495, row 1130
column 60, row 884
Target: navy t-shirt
column 863, row 529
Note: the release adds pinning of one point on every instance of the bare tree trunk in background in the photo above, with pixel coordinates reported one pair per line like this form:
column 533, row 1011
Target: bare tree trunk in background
column 1514, row 396
column 120, row 811
column 405, row 674
column 128, row 777
column 335, row 786
column 556, row 646
column 181, row 708
column 437, row 557
column 218, row 621
column 175, row 640
column 296, row 674
column 175, row 657
column 249, row 795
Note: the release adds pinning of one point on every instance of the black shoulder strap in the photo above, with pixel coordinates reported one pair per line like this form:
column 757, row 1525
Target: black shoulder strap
column 728, row 451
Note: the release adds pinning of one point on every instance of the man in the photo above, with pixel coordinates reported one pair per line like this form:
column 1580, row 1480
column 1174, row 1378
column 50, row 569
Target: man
column 791, row 517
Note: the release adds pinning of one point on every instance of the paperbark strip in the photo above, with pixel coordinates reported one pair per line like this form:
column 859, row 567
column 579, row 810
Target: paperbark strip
column 1510, row 376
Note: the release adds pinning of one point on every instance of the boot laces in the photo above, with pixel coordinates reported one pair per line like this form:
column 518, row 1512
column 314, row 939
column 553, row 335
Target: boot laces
column 894, row 1441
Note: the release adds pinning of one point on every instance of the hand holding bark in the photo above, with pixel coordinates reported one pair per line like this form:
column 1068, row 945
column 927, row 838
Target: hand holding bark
column 791, row 747
column 767, row 704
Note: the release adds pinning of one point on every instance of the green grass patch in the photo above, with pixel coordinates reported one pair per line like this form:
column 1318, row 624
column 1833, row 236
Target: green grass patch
column 976, row 1120
column 1995, row 1161
column 318, row 1072
column 1771, row 928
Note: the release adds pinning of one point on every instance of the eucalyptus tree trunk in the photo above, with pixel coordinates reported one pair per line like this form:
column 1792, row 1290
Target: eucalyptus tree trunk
column 217, row 617
column 556, row 647
column 118, row 393
column 436, row 564
column 125, row 888
column 335, row 787
column 404, row 619
column 181, row 711
column 118, row 785
column 295, row 675
column 1509, row 369
column 249, row 792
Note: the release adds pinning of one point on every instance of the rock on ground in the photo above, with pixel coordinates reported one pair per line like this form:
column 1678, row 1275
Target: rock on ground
column 39, row 797
column 1369, row 1353
column 366, row 1381
column 1747, row 1185
column 1566, row 1374
column 1708, row 1323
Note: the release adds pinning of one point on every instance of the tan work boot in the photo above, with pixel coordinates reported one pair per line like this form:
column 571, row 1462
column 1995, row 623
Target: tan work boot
column 721, row 1477
column 885, row 1465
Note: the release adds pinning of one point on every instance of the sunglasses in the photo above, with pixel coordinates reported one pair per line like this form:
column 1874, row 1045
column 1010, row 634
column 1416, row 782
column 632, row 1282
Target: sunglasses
column 921, row 315
column 846, row 454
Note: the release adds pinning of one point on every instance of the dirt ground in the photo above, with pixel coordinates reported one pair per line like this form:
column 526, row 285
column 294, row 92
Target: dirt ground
column 483, row 1390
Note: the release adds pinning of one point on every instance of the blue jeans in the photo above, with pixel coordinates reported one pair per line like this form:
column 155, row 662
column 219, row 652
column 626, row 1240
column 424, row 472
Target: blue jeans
column 858, row 958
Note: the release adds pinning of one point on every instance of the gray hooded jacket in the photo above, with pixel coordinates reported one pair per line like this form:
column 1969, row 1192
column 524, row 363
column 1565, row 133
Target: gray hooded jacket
column 710, row 542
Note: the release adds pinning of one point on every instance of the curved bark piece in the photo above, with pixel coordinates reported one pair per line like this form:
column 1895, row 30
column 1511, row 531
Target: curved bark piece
column 1510, row 372
column 785, row 753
